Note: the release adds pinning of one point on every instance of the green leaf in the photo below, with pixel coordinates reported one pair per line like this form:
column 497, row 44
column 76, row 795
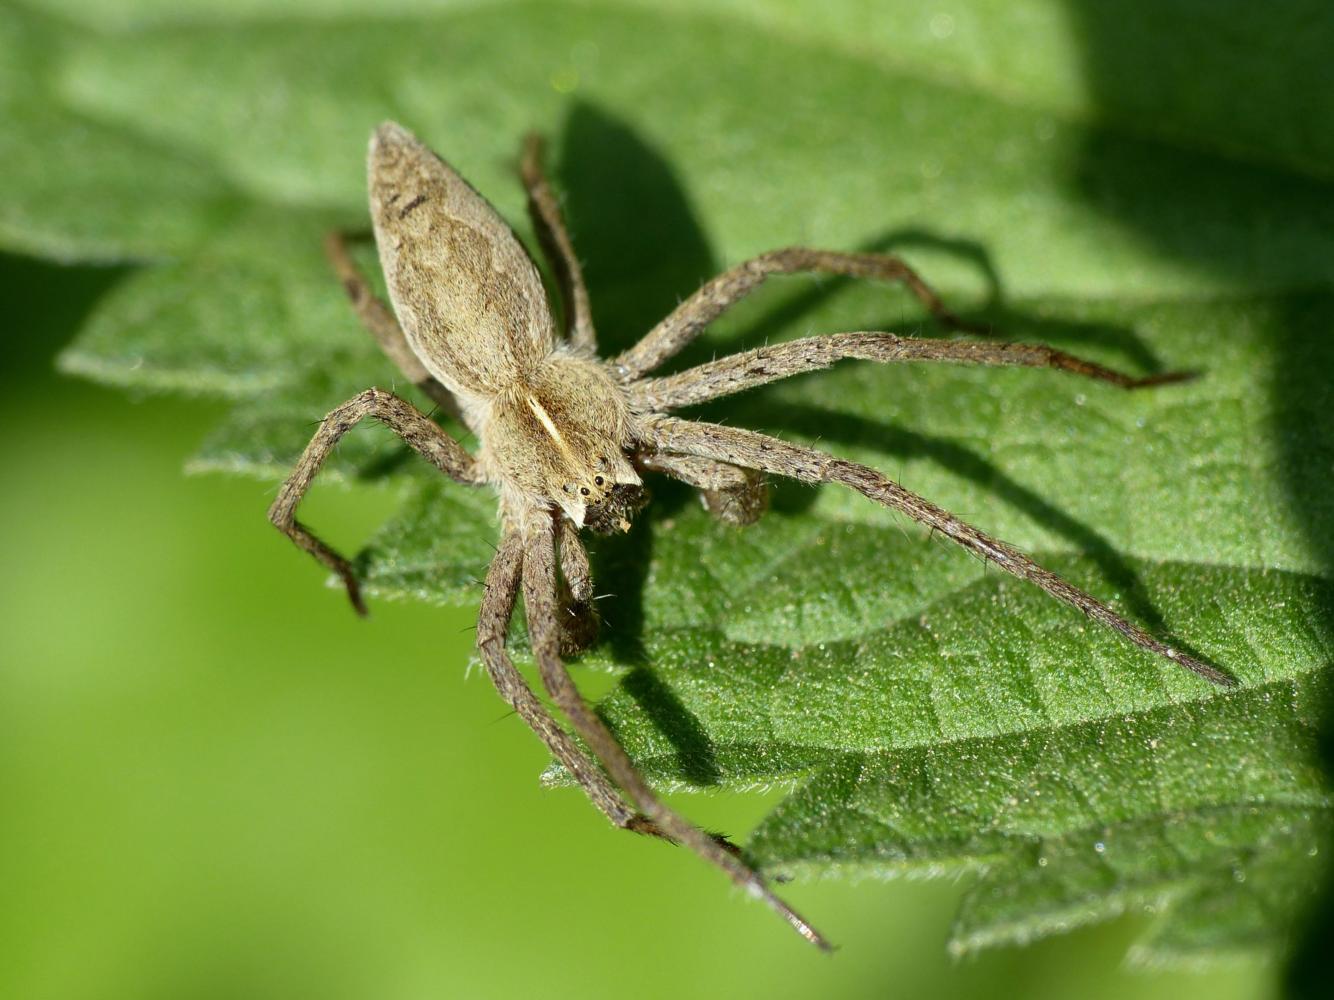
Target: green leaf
column 930, row 716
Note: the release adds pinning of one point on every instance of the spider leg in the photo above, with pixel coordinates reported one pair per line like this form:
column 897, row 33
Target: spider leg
column 544, row 210
column 730, row 493
column 578, row 618
column 379, row 319
column 688, row 319
column 574, row 565
column 539, row 597
column 405, row 420
column 502, row 587
column 748, row 369
column 769, row 454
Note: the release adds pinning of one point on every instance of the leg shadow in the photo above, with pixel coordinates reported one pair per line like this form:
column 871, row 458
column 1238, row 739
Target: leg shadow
column 695, row 755
column 897, row 442
column 48, row 304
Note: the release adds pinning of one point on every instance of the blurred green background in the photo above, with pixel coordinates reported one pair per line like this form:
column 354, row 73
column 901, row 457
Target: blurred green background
column 217, row 782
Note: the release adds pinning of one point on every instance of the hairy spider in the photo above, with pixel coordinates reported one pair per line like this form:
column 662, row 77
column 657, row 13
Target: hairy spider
column 565, row 435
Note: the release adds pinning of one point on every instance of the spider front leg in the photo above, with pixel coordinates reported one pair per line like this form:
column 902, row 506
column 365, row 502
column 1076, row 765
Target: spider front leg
column 498, row 598
column 405, row 420
column 502, row 587
column 688, row 319
column 549, row 224
column 541, row 602
column 760, row 451
column 731, row 494
column 749, row 369
column 379, row 320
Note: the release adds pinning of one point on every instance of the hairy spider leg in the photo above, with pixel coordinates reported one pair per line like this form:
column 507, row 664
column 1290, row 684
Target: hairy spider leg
column 539, row 596
column 549, row 224
column 689, row 319
column 503, row 582
column 423, row 434
column 379, row 319
column 748, row 369
column 769, row 454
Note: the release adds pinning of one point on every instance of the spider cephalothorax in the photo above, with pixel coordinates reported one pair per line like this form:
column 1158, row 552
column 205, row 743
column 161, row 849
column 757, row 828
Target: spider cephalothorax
column 558, row 437
column 565, row 437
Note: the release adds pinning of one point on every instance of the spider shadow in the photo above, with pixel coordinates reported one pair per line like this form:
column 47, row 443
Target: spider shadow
column 620, row 563
column 637, row 274
column 631, row 223
column 695, row 756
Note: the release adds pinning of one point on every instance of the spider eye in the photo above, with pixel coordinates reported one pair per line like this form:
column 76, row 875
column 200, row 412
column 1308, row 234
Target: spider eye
column 583, row 490
column 567, row 488
column 598, row 480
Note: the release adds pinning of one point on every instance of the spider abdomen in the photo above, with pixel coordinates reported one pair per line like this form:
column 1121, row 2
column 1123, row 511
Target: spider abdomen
column 468, row 296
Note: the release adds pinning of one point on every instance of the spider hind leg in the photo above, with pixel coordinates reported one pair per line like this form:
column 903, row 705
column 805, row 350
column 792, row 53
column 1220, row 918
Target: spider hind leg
column 742, row 504
column 730, row 493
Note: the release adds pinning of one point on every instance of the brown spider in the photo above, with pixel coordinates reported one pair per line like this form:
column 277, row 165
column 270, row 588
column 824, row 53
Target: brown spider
column 564, row 435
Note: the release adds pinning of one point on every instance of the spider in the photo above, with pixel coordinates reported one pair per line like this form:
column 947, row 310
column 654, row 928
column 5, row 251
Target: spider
column 564, row 435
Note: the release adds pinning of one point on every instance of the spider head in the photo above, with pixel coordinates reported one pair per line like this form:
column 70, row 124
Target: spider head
column 606, row 497
column 616, row 509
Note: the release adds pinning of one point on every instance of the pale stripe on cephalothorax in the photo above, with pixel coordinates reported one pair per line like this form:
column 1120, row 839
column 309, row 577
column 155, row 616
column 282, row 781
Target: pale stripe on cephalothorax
column 545, row 419
column 549, row 425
